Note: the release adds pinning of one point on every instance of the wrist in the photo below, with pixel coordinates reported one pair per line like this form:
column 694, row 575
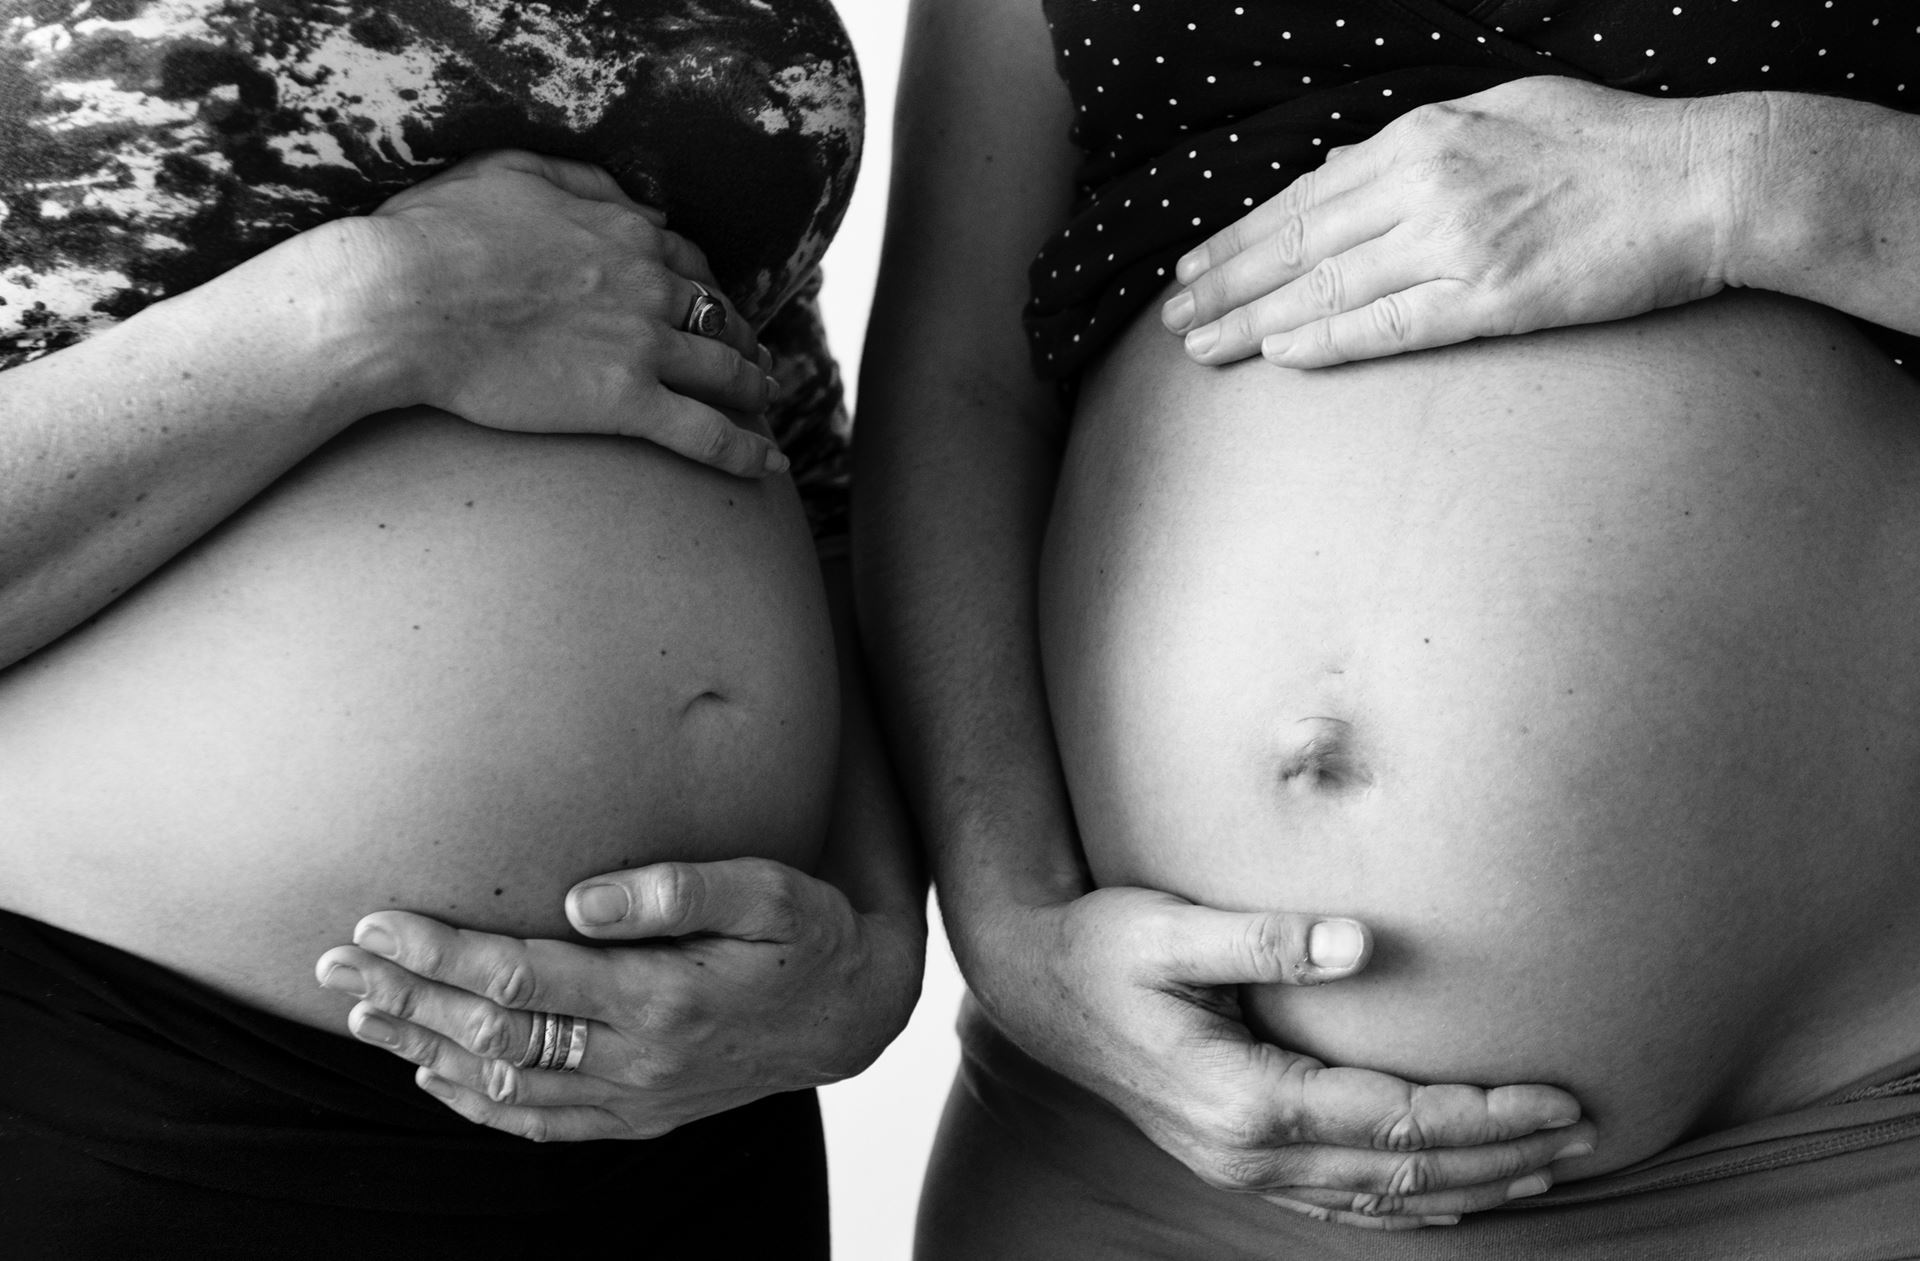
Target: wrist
column 367, row 318
column 1786, row 206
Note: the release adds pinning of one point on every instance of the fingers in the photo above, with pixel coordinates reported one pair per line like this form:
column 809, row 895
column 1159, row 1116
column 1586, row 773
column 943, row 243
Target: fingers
column 1272, row 217
column 506, row 971
column 1434, row 1209
column 707, row 436
column 686, row 259
column 1433, row 313
column 1433, row 1182
column 1203, row 946
column 1354, row 1107
column 556, row 1124
column 749, row 899
column 713, row 371
column 1290, row 248
column 1308, row 1207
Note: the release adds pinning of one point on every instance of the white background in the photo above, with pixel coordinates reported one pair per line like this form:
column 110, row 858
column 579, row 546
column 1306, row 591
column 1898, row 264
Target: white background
column 880, row 1125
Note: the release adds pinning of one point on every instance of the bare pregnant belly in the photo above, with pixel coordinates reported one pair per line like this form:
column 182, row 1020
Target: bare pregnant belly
column 435, row 667
column 1585, row 667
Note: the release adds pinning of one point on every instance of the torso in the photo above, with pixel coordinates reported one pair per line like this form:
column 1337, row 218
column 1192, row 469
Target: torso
column 436, row 667
column 1580, row 665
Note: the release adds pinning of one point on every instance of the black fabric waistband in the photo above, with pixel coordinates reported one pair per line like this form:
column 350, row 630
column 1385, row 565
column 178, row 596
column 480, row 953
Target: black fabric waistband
column 137, row 1066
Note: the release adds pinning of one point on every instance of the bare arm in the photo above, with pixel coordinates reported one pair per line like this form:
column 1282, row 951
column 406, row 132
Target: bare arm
column 118, row 452
column 1825, row 203
column 513, row 290
column 1127, row 991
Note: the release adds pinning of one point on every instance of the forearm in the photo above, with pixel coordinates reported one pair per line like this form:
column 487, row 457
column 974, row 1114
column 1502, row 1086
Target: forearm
column 954, row 465
column 118, row 452
column 952, row 512
column 870, row 854
column 1824, row 201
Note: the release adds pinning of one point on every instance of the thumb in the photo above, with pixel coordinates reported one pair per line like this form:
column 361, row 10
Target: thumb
column 752, row 899
column 1213, row 947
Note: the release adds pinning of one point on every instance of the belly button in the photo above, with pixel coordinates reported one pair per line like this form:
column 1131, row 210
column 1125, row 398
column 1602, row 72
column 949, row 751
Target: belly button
column 1320, row 754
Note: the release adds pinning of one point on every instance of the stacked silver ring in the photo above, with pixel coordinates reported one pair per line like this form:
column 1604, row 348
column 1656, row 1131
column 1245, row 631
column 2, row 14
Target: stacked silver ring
column 555, row 1042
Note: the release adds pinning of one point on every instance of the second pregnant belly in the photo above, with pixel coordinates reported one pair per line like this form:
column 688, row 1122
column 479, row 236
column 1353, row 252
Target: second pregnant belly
column 1581, row 666
column 436, row 667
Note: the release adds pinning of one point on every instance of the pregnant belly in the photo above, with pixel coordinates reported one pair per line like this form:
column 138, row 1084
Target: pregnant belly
column 1582, row 666
column 435, row 667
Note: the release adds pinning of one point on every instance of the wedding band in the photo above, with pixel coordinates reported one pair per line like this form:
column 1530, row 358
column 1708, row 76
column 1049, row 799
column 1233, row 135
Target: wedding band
column 534, row 1037
column 576, row 1046
column 706, row 314
column 549, row 1041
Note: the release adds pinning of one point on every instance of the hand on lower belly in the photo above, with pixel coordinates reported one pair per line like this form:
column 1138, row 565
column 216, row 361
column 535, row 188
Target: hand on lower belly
column 1132, row 993
column 750, row 978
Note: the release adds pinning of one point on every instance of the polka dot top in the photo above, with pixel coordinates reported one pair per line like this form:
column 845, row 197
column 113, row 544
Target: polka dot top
column 1188, row 113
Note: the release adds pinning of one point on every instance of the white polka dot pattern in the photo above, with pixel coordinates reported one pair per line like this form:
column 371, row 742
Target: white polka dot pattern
column 1190, row 111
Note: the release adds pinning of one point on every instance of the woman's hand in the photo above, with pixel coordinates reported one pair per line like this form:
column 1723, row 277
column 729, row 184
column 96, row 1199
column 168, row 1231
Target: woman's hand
column 529, row 293
column 750, row 978
column 1540, row 203
column 1133, row 994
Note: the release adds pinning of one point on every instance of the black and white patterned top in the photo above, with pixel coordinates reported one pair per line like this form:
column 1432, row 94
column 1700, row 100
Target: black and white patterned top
column 148, row 145
column 1188, row 113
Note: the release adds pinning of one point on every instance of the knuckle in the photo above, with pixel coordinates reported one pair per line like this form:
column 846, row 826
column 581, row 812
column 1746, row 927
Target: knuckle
column 1402, row 1131
column 1291, row 240
column 1410, row 1176
column 714, row 443
column 1327, row 286
column 489, row 1034
column 501, row 1081
column 669, row 892
column 1240, row 325
column 1376, row 1204
column 1393, row 319
column 509, row 982
column 1265, row 939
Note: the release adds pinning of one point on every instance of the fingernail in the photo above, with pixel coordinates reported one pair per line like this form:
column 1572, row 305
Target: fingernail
column 766, row 358
column 1201, row 340
column 376, row 941
column 771, row 391
column 1335, row 943
column 601, row 904
column 1191, row 264
column 1449, row 1219
column 1178, row 312
column 438, row 1087
column 1532, row 1184
column 347, row 980
column 776, row 463
column 374, row 1029
column 1558, row 1123
column 1571, row 1150
column 1272, row 348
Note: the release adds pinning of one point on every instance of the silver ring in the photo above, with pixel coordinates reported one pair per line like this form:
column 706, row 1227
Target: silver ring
column 534, row 1037
column 576, row 1046
column 550, row 1041
column 706, row 314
